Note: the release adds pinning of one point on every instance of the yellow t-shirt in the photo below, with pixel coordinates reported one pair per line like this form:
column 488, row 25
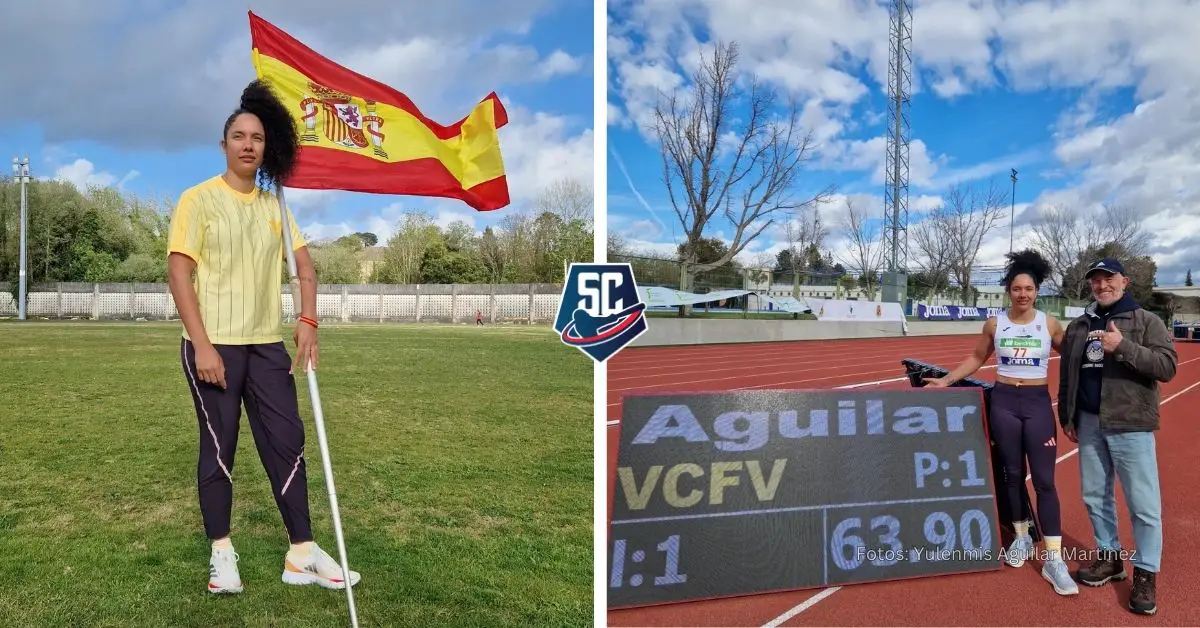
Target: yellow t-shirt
column 237, row 242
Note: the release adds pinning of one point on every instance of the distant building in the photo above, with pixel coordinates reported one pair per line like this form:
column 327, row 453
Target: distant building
column 370, row 259
column 990, row 295
column 1181, row 291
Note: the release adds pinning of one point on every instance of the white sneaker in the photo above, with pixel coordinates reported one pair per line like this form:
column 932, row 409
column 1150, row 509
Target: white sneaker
column 1056, row 573
column 1020, row 551
column 223, row 576
column 319, row 568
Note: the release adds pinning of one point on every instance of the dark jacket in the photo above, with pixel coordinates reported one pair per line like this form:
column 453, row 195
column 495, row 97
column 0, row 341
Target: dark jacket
column 1129, row 394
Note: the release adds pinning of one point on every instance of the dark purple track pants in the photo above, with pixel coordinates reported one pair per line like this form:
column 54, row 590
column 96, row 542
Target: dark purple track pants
column 256, row 375
column 1023, row 426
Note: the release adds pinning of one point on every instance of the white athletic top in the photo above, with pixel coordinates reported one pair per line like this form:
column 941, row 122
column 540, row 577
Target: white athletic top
column 1023, row 351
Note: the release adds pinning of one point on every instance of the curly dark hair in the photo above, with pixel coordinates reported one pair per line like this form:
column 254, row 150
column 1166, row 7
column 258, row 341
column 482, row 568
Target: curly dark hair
column 282, row 141
column 1027, row 262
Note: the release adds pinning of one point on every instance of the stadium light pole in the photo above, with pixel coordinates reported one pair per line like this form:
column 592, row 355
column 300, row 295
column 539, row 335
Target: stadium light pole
column 1012, row 212
column 21, row 175
column 1012, row 209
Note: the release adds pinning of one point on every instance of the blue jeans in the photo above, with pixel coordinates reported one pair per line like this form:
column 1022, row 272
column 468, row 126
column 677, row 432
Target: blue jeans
column 1129, row 456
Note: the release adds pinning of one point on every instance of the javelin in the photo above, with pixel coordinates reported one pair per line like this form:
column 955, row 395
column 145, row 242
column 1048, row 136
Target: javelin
column 318, row 414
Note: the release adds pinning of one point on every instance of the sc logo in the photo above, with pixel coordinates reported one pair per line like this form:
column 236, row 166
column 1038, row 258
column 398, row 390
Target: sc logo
column 600, row 310
column 597, row 290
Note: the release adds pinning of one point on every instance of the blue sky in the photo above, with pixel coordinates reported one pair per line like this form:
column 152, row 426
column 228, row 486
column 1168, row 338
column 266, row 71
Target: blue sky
column 136, row 100
column 1069, row 93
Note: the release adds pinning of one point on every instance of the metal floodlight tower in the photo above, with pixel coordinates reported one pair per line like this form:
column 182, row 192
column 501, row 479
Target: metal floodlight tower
column 899, row 106
column 895, row 211
column 21, row 175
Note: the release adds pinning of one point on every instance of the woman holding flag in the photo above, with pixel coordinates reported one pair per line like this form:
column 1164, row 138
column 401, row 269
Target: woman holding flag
column 227, row 230
column 1021, row 416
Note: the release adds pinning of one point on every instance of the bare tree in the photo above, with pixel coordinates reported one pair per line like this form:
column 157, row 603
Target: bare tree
column 752, row 185
column 801, row 233
column 1062, row 233
column 933, row 248
column 1122, row 223
column 568, row 198
column 759, row 268
column 866, row 250
column 617, row 246
column 968, row 215
column 518, row 244
column 1058, row 237
column 491, row 253
column 763, row 259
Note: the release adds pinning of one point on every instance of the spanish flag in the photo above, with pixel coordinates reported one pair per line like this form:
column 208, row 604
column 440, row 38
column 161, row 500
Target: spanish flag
column 360, row 135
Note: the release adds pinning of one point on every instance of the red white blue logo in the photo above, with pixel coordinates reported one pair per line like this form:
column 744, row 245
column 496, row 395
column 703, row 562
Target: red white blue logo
column 600, row 311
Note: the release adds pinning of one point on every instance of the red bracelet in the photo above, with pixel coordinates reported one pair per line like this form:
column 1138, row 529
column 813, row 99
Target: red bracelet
column 305, row 319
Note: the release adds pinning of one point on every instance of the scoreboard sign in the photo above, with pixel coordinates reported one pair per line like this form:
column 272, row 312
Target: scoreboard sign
column 738, row 493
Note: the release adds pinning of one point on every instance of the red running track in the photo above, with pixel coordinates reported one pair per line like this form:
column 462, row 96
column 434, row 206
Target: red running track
column 1008, row 597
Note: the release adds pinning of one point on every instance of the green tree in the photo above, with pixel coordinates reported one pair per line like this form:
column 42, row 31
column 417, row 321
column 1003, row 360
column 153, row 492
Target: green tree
column 80, row 236
column 921, row 285
column 141, row 268
column 339, row 262
column 492, row 255
column 703, row 250
column 1141, row 270
column 783, row 259
column 847, row 283
column 445, row 265
column 406, row 249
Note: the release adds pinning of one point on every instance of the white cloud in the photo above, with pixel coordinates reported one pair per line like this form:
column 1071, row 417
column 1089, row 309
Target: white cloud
column 653, row 248
column 384, row 222
column 871, row 156
column 616, row 117
column 1147, row 157
column 558, row 63
column 445, row 56
column 540, row 148
column 440, row 54
column 310, row 204
column 315, row 231
column 446, row 217
column 83, row 174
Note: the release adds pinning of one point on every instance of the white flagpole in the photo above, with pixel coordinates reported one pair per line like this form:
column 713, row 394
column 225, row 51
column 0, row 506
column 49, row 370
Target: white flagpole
column 318, row 414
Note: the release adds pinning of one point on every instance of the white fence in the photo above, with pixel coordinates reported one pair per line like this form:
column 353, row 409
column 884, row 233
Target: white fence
column 451, row 303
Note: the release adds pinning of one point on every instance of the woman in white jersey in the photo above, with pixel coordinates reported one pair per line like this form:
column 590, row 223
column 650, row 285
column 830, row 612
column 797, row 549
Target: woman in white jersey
column 1021, row 416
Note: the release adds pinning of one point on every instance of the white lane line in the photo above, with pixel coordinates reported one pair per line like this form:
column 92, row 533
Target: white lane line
column 858, row 364
column 847, row 386
column 1182, row 391
column 905, row 378
column 1164, row 402
column 812, row 601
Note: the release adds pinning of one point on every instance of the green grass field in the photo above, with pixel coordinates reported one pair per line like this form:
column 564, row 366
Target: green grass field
column 462, row 456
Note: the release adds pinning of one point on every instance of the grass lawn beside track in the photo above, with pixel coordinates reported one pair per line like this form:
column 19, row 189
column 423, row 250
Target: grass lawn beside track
column 462, row 456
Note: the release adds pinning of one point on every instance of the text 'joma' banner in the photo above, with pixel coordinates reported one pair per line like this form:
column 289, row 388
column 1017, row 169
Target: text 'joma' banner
column 737, row 493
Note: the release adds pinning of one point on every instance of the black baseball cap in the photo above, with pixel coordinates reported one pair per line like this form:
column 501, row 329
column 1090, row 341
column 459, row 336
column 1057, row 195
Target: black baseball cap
column 1109, row 265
